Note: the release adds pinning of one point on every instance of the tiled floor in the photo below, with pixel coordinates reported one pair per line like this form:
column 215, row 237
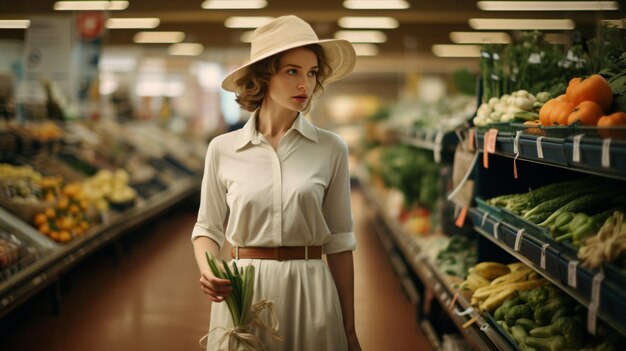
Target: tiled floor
column 150, row 300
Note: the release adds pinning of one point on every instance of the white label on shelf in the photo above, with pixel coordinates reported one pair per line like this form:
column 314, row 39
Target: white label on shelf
column 542, row 263
column 484, row 220
column 539, row 148
column 606, row 153
column 495, row 230
column 516, row 142
column 592, row 313
column 518, row 240
column 576, row 148
column 571, row 274
column 484, row 327
column 438, row 146
column 464, row 313
column 457, row 210
column 595, row 288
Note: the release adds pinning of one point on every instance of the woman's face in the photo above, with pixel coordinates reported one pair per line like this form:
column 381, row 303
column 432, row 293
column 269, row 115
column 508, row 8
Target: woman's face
column 293, row 84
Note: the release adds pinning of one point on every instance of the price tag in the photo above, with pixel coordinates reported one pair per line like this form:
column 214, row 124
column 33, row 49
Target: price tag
column 464, row 313
column 495, row 230
column 484, row 220
column 484, row 327
column 470, row 322
column 518, row 240
column 576, row 148
column 516, row 142
column 471, row 139
column 438, row 147
column 491, row 137
column 606, row 153
column 595, row 303
column 539, row 148
column 515, row 166
column 453, row 301
column 571, row 274
column 542, row 262
column 460, row 221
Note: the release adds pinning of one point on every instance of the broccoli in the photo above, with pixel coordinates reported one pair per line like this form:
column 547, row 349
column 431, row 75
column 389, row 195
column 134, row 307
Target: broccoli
column 568, row 327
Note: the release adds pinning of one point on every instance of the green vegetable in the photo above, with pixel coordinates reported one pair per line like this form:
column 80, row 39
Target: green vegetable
column 553, row 343
column 500, row 311
column 543, row 96
column 516, row 312
column 527, row 324
column 519, row 334
column 580, row 204
column 546, row 209
column 568, row 327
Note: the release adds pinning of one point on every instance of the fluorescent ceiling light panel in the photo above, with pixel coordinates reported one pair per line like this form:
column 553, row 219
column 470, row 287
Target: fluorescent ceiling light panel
column 480, row 37
column 365, row 49
column 247, row 22
column 368, row 22
column 376, row 4
column 14, row 24
column 130, row 23
column 520, row 24
column 547, row 5
column 451, row 50
column 233, row 4
column 90, row 5
column 185, row 49
column 159, row 37
column 362, row 36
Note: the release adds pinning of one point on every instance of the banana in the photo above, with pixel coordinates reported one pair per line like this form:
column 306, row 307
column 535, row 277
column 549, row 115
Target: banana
column 516, row 266
column 491, row 270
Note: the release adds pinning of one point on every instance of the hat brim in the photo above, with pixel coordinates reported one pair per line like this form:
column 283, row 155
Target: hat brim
column 339, row 53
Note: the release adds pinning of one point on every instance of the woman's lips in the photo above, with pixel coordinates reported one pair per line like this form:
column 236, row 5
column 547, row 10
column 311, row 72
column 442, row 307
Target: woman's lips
column 300, row 99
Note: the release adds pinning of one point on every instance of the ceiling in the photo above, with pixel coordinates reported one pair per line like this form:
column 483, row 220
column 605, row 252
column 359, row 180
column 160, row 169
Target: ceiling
column 425, row 23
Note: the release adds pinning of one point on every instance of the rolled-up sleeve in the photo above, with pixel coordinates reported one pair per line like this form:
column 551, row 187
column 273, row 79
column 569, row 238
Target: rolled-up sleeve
column 213, row 208
column 337, row 207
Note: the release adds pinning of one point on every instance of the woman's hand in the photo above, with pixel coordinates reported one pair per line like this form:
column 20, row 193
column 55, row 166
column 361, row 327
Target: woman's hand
column 215, row 288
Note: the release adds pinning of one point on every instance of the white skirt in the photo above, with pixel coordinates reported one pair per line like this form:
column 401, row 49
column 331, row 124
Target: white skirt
column 306, row 304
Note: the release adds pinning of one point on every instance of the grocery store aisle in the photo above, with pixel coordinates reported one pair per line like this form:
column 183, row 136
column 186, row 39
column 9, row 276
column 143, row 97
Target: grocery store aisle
column 150, row 300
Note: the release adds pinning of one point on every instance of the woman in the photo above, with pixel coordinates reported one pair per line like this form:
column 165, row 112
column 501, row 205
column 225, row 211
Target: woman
column 282, row 186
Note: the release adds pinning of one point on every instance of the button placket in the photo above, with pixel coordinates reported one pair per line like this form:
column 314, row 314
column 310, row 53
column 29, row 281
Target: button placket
column 276, row 199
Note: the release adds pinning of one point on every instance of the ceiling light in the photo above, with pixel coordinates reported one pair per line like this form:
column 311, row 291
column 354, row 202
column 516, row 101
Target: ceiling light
column 547, row 5
column 90, row 5
column 14, row 24
column 520, row 24
column 185, row 49
column 479, row 37
column 375, row 4
column 365, row 49
column 361, row 36
column 129, row 23
column 368, row 22
column 451, row 50
column 234, row 4
column 158, row 37
column 246, row 22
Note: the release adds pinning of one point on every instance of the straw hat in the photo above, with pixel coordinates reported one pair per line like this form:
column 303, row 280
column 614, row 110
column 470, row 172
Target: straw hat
column 288, row 32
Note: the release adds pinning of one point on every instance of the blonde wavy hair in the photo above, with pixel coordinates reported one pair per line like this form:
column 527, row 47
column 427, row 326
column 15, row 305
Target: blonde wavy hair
column 251, row 87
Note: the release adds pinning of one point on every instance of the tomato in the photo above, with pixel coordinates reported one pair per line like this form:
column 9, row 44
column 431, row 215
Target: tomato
column 560, row 112
column 614, row 119
column 594, row 88
column 587, row 113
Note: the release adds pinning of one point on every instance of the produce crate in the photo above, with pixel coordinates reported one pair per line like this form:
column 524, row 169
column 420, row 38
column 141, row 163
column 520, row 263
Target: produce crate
column 559, row 132
column 591, row 155
column 614, row 132
column 553, row 151
column 485, row 207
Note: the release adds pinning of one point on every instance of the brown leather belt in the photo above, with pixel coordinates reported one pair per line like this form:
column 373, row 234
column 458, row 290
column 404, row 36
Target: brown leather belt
column 278, row 253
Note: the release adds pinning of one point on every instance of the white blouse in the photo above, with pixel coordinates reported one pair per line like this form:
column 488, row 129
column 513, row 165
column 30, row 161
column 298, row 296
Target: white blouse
column 297, row 195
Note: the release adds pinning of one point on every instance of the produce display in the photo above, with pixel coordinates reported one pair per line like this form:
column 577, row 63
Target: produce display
column 608, row 245
column 457, row 256
column 519, row 106
column 110, row 187
column 15, row 255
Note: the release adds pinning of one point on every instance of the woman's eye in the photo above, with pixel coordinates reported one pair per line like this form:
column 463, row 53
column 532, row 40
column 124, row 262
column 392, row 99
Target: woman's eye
column 291, row 71
column 313, row 73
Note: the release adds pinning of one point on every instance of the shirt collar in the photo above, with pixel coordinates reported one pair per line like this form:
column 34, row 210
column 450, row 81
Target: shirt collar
column 249, row 133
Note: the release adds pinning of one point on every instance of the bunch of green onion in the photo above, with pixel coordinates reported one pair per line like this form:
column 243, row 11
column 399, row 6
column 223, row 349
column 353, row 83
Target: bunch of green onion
column 239, row 301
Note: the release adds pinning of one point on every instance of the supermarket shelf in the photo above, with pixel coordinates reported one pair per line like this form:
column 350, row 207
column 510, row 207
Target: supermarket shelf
column 56, row 258
column 556, row 267
column 477, row 331
column 439, row 141
column 558, row 152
